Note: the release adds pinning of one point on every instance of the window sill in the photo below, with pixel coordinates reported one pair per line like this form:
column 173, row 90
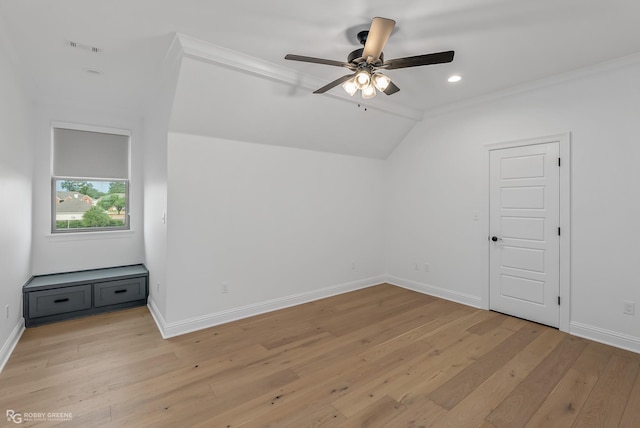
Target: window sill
column 90, row 236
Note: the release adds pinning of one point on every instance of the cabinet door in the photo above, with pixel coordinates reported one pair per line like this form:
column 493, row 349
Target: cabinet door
column 120, row 291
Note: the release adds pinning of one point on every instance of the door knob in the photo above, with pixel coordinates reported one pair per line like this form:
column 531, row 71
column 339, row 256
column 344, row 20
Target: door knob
column 496, row 239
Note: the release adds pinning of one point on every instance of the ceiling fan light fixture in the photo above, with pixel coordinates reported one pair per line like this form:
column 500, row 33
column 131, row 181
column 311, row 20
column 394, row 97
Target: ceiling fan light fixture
column 365, row 62
column 362, row 79
column 350, row 87
column 368, row 92
column 381, row 81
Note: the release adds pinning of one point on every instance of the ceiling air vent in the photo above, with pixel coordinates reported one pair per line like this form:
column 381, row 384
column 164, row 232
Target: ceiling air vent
column 87, row 48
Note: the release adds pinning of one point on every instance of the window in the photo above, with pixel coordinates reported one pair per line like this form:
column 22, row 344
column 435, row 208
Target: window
column 90, row 180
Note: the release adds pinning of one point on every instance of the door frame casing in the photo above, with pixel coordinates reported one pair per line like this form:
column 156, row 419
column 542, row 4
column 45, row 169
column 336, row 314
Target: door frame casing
column 564, row 143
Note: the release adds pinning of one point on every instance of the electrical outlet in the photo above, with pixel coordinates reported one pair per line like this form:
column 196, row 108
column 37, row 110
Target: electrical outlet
column 158, row 286
column 427, row 268
column 629, row 308
column 7, row 311
column 224, row 288
column 353, row 265
column 417, row 266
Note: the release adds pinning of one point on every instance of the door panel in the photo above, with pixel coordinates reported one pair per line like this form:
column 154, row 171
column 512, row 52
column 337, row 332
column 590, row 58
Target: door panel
column 531, row 229
column 523, row 197
column 522, row 167
column 524, row 219
column 523, row 259
column 519, row 288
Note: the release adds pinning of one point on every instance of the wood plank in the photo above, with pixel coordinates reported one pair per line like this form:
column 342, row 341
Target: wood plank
column 314, row 382
column 488, row 325
column 449, row 394
column 420, row 414
column 355, row 345
column 83, row 383
column 477, row 405
column 565, row 402
column 609, row 396
column 442, row 366
column 519, row 406
column 431, row 367
column 513, row 323
column 177, row 407
column 341, row 324
column 439, row 317
column 318, row 401
column 378, row 414
column 212, row 398
column 486, row 424
column 631, row 416
column 255, row 411
column 326, row 416
column 300, row 413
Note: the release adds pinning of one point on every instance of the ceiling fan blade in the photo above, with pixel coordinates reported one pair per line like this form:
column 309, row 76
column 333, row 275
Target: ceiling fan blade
column 317, row 60
column 381, row 29
column 415, row 61
column 391, row 89
column 333, row 84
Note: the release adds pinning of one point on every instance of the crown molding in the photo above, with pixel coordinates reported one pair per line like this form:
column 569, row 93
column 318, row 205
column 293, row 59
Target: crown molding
column 218, row 55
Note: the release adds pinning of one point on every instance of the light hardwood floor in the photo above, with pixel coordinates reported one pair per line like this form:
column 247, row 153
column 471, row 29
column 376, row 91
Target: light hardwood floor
column 378, row 357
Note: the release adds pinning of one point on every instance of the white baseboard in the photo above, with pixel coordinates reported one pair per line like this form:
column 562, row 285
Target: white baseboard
column 465, row 299
column 608, row 337
column 178, row 328
column 157, row 316
column 11, row 342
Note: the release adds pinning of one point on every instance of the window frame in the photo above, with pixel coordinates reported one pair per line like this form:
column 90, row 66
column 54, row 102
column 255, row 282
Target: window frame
column 55, row 178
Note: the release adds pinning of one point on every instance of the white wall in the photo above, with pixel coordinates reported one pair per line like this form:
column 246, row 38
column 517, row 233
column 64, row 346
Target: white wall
column 156, row 129
column 16, row 148
column 69, row 252
column 270, row 221
column 438, row 176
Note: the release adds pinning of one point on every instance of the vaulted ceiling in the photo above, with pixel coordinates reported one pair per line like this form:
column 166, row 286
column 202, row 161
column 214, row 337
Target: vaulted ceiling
column 499, row 44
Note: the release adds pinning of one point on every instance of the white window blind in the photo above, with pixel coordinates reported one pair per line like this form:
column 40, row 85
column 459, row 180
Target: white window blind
column 90, row 154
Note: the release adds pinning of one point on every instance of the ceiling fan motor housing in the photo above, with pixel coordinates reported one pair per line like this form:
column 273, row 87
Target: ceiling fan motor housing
column 357, row 54
column 362, row 37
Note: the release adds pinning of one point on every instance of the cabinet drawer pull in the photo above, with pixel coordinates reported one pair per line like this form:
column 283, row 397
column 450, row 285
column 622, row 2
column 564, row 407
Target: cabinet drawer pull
column 120, row 291
column 66, row 299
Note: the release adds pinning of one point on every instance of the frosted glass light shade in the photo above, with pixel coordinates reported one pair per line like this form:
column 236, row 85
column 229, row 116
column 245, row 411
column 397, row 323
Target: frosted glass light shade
column 381, row 81
column 350, row 87
column 369, row 92
column 362, row 79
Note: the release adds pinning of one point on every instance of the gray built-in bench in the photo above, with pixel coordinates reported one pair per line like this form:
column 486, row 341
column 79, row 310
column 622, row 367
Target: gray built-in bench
column 61, row 296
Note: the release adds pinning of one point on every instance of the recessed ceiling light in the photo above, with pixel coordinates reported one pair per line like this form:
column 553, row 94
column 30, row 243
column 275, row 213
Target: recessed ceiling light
column 454, row 78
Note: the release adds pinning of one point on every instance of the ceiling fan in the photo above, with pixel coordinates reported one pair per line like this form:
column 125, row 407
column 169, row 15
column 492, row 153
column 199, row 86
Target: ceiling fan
column 366, row 62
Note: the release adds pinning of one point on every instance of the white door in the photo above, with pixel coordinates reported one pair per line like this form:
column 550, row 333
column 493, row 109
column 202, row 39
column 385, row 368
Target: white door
column 524, row 226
